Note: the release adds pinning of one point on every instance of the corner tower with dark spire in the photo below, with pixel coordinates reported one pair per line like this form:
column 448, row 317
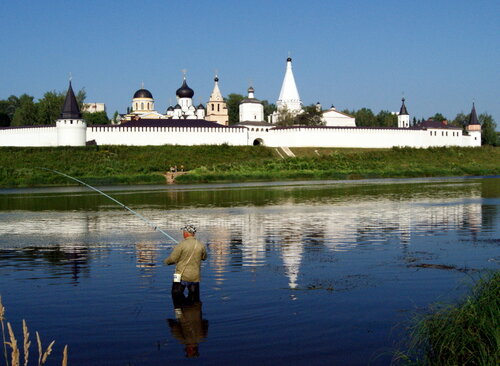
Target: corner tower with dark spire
column 474, row 127
column 71, row 127
column 403, row 116
column 474, row 124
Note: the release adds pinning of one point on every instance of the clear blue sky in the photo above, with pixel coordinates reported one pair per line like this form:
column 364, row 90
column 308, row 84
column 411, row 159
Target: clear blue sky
column 353, row 54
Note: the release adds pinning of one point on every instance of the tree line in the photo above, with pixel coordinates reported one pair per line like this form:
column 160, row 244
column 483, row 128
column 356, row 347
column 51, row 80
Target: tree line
column 23, row 110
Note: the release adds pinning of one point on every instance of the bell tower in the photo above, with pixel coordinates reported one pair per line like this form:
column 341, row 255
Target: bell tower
column 216, row 106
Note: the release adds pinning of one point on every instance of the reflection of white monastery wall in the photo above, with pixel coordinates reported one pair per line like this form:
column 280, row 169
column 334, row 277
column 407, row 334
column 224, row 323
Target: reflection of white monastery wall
column 254, row 230
column 253, row 237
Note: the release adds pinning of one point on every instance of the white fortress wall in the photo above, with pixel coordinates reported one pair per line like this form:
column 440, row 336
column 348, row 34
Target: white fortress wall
column 29, row 136
column 472, row 140
column 141, row 136
column 355, row 137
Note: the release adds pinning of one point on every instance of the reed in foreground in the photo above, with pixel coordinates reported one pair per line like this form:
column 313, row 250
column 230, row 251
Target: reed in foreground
column 11, row 342
column 464, row 334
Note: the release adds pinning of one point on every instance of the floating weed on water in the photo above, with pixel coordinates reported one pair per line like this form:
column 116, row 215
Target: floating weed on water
column 442, row 266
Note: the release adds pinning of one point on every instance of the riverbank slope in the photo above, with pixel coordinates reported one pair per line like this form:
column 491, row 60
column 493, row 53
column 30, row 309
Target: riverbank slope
column 150, row 164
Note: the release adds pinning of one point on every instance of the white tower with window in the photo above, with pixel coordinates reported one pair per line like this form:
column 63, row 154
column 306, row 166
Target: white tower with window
column 251, row 109
column 71, row 127
column 403, row 116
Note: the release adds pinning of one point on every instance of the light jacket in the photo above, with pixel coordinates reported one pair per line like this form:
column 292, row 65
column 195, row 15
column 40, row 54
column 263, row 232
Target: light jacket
column 180, row 255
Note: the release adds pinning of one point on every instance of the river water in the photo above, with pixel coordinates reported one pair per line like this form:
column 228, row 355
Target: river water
column 303, row 273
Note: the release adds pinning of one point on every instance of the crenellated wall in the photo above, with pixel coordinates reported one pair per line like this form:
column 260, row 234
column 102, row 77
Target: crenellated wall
column 140, row 136
column 361, row 137
column 29, row 136
column 273, row 137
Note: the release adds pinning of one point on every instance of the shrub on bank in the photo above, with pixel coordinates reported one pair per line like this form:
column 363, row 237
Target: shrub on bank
column 464, row 334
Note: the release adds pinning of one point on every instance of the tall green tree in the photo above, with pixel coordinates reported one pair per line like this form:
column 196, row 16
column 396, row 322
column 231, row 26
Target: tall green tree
column 115, row 117
column 4, row 120
column 269, row 108
column 9, row 106
column 365, row 117
column 386, row 119
column 233, row 107
column 286, row 118
column 461, row 120
column 489, row 136
column 26, row 113
column 438, row 117
column 49, row 107
column 310, row 117
column 80, row 96
column 96, row 118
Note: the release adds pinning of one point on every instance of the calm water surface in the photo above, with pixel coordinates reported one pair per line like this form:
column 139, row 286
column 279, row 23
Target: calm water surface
column 316, row 274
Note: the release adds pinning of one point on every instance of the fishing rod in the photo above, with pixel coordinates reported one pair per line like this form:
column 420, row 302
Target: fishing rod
column 151, row 224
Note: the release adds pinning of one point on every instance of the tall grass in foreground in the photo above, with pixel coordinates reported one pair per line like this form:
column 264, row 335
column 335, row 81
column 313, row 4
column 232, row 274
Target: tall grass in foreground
column 12, row 343
column 464, row 334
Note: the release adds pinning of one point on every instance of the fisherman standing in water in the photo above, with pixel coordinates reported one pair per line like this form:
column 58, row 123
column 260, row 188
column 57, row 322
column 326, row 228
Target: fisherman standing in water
column 187, row 256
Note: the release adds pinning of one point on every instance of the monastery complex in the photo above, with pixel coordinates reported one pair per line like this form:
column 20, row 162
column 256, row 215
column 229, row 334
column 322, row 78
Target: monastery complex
column 187, row 124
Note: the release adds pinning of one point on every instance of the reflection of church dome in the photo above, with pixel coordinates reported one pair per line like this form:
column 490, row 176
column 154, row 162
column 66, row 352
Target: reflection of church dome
column 170, row 108
column 177, row 106
column 184, row 91
column 201, row 106
column 143, row 93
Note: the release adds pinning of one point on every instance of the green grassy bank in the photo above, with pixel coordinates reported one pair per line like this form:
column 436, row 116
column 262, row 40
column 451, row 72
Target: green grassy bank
column 147, row 164
column 463, row 334
column 356, row 164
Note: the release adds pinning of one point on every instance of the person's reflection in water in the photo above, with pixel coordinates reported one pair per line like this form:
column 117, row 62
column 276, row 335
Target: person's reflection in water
column 188, row 327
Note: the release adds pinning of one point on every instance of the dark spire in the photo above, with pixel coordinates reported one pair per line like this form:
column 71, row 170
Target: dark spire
column 403, row 110
column 70, row 109
column 473, row 116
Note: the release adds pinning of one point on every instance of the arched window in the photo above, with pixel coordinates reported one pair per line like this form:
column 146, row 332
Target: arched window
column 148, row 106
column 218, row 107
column 142, row 106
column 213, row 107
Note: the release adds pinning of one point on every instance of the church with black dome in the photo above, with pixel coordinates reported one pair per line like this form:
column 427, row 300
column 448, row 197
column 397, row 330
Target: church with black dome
column 143, row 106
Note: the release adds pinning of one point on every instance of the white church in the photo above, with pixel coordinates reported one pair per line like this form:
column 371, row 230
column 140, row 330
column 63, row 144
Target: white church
column 185, row 124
